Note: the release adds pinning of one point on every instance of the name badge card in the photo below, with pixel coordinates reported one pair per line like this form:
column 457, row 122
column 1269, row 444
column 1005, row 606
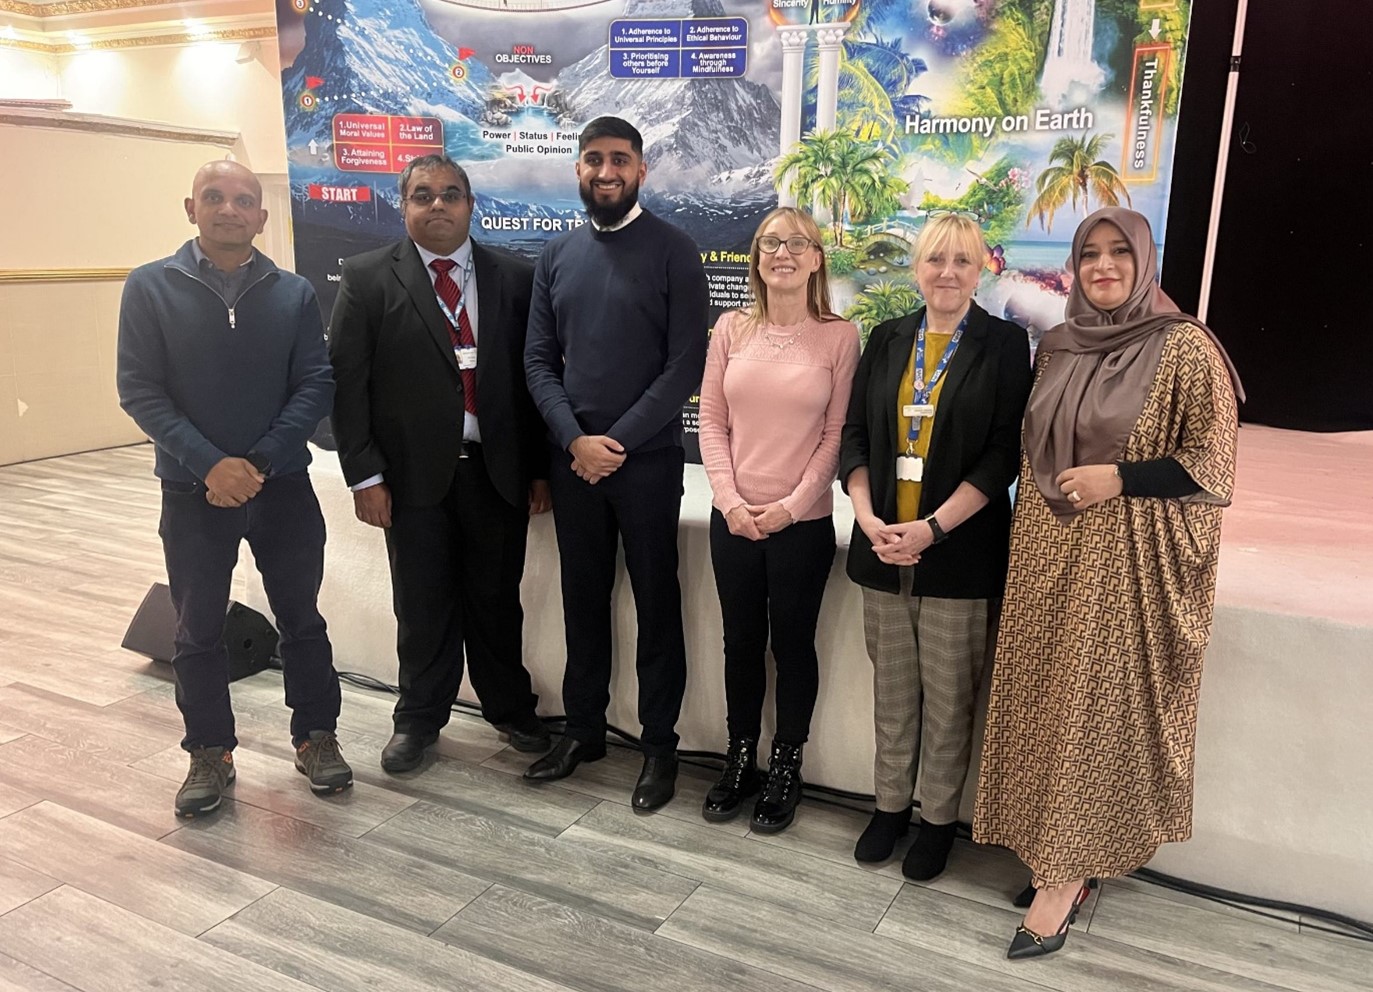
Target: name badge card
column 909, row 468
column 467, row 357
column 914, row 410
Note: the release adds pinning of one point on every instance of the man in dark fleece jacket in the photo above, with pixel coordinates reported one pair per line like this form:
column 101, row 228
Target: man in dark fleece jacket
column 616, row 344
column 221, row 362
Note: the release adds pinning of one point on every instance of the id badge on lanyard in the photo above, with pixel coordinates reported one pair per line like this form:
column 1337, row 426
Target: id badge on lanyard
column 910, row 467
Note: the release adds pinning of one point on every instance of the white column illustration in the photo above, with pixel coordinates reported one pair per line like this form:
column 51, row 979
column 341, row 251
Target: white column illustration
column 793, row 62
column 827, row 40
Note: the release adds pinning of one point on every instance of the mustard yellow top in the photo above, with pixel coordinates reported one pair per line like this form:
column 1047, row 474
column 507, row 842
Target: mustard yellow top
column 908, row 493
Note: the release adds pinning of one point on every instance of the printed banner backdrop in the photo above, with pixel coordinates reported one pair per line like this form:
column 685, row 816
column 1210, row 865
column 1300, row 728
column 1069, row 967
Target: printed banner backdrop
column 876, row 114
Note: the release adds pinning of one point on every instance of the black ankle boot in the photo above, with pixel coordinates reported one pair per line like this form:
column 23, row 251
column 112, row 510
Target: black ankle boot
column 776, row 807
column 738, row 781
column 930, row 852
column 881, row 835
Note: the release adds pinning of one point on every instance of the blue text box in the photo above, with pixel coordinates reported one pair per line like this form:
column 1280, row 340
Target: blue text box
column 715, row 32
column 634, row 33
column 636, row 63
column 714, row 63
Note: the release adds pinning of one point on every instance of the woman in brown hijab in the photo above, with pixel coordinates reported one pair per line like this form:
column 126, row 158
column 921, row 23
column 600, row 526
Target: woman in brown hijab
column 1129, row 457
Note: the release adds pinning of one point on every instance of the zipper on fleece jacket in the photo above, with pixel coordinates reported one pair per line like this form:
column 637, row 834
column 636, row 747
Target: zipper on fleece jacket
column 233, row 319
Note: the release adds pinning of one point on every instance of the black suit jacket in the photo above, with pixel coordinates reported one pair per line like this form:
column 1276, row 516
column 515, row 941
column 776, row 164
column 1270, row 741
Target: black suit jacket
column 976, row 439
column 398, row 408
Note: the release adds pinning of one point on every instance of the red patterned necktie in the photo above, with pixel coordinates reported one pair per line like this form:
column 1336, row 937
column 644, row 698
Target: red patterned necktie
column 461, row 335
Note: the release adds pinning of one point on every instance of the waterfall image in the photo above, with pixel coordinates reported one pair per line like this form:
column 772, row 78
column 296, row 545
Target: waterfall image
column 1070, row 74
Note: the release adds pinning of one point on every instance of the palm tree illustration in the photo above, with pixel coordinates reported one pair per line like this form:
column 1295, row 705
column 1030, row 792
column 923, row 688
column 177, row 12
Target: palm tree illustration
column 848, row 176
column 885, row 300
column 1080, row 175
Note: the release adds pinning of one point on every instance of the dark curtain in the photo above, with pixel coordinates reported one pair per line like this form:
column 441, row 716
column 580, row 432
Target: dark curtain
column 1289, row 296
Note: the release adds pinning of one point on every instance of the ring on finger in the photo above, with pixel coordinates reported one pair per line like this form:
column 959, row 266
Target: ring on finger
column 1073, row 497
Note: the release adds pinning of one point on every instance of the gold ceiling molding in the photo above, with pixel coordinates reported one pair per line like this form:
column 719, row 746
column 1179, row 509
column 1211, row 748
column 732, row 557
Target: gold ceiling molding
column 96, row 124
column 63, row 275
column 139, row 41
column 66, row 8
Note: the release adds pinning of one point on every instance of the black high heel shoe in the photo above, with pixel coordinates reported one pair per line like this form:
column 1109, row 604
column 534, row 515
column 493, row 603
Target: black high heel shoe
column 1027, row 894
column 1028, row 944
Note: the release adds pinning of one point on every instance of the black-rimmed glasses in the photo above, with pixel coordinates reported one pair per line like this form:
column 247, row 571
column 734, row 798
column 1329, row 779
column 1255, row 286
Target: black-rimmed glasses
column 768, row 244
column 424, row 197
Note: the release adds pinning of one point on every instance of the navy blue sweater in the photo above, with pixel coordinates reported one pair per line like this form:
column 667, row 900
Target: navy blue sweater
column 617, row 333
column 206, row 382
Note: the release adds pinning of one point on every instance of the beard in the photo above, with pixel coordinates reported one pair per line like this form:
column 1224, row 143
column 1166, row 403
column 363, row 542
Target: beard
column 609, row 214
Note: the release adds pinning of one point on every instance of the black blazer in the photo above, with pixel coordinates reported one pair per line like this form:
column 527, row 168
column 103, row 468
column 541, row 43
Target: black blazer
column 398, row 408
column 976, row 439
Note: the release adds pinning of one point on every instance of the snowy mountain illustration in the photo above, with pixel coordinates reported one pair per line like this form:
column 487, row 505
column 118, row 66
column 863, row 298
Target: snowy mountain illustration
column 692, row 128
column 389, row 61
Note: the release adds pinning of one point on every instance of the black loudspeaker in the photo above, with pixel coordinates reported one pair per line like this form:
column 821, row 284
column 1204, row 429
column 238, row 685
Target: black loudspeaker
column 249, row 636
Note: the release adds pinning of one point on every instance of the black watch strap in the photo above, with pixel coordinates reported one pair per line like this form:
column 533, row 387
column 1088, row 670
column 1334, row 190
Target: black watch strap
column 940, row 534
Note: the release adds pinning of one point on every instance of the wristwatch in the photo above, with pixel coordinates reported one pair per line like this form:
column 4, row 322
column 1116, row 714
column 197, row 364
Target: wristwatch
column 940, row 534
column 260, row 462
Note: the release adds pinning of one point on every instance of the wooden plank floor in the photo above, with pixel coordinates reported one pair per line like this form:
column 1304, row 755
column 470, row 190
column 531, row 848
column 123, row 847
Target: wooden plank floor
column 460, row 876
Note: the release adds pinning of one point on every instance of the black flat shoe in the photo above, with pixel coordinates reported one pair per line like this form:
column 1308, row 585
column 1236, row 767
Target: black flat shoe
column 1028, row 944
column 404, row 751
column 657, row 783
column 879, row 838
column 526, row 735
column 929, row 855
column 563, row 760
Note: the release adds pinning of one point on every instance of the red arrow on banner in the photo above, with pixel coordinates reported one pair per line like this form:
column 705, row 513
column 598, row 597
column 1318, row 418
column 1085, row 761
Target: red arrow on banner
column 313, row 82
column 466, row 53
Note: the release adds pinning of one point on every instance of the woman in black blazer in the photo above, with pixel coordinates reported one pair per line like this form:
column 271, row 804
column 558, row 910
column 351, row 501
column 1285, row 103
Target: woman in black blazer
column 930, row 448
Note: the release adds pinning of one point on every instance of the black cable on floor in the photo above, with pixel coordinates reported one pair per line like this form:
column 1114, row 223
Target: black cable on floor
column 1354, row 929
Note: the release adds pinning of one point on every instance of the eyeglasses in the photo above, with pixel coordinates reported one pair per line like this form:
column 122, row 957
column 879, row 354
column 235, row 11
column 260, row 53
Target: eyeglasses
column 424, row 197
column 768, row 245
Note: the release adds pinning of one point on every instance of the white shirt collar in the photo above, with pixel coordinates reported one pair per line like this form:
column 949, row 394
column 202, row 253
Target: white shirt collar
column 463, row 256
column 625, row 221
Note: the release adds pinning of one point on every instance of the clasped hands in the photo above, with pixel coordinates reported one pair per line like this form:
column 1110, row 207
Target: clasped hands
column 232, row 482
column 595, row 456
column 756, row 522
column 897, row 544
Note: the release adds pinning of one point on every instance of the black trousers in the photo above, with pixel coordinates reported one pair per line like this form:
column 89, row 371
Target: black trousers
column 640, row 503
column 775, row 583
column 455, row 581
column 284, row 527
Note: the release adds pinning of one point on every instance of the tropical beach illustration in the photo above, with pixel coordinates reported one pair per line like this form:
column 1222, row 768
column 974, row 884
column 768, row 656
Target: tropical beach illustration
column 1015, row 113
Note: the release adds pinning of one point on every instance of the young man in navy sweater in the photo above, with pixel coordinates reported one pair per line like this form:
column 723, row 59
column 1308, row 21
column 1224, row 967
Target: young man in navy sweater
column 616, row 344
column 222, row 363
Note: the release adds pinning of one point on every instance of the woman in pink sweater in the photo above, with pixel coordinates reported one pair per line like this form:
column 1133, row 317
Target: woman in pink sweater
column 773, row 400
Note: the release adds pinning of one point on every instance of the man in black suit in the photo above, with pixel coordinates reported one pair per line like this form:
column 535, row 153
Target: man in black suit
column 443, row 448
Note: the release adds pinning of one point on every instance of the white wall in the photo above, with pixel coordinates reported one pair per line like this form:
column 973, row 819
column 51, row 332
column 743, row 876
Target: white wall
column 197, row 85
column 28, row 75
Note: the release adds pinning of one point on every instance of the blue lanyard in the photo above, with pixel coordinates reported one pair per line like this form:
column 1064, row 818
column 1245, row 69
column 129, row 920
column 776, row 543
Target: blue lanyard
column 462, row 302
column 923, row 390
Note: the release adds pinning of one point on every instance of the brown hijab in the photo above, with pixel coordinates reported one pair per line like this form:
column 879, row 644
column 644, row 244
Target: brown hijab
column 1089, row 398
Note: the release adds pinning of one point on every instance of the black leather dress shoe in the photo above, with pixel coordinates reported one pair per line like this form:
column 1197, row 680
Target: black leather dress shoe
column 657, row 782
column 527, row 735
column 405, row 751
column 563, row 760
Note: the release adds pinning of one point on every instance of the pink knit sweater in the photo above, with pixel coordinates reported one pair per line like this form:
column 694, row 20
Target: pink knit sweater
column 771, row 416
